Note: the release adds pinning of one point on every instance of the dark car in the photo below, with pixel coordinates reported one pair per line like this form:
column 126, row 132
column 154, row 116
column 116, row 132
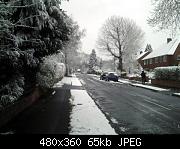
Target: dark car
column 103, row 76
column 111, row 76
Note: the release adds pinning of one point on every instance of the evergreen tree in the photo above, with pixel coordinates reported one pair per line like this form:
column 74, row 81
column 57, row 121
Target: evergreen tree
column 101, row 64
column 92, row 60
column 29, row 31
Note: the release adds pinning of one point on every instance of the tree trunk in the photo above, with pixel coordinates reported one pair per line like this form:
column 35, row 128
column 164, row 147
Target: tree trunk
column 120, row 66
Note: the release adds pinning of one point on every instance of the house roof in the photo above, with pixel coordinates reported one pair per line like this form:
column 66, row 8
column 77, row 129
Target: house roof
column 141, row 55
column 165, row 49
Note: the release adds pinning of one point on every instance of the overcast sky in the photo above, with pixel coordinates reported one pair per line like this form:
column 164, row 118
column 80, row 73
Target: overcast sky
column 91, row 14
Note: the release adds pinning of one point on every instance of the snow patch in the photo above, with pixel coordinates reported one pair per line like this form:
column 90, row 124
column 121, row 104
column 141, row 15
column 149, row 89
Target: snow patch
column 82, row 82
column 75, row 81
column 114, row 120
column 151, row 87
column 53, row 92
column 58, row 85
column 7, row 133
column 178, row 94
column 124, row 81
column 86, row 117
column 67, row 80
column 123, row 129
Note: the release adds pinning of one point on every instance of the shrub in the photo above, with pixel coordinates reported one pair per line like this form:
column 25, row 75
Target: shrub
column 50, row 73
column 167, row 73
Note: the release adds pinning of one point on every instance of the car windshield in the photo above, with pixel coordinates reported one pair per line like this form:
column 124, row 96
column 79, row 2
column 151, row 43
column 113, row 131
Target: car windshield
column 113, row 74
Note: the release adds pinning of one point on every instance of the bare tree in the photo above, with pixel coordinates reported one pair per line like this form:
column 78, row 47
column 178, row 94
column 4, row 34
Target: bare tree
column 166, row 14
column 72, row 47
column 121, row 37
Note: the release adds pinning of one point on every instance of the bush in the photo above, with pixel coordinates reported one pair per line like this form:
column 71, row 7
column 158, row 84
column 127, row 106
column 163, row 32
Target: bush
column 123, row 74
column 167, row 73
column 50, row 73
column 12, row 91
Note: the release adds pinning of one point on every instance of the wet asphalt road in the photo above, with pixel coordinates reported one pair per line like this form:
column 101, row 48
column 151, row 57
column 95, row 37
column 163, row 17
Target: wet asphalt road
column 133, row 110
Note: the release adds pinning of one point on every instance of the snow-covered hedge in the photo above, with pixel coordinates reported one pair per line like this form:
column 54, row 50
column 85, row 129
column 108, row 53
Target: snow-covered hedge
column 167, row 73
column 11, row 91
column 50, row 73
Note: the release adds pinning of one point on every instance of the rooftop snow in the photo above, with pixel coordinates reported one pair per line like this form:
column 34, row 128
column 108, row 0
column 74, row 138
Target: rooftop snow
column 141, row 55
column 165, row 49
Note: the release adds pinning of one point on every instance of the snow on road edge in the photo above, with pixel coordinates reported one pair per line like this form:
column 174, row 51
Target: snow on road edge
column 151, row 87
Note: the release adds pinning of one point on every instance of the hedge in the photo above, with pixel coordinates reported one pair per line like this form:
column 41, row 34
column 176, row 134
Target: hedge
column 167, row 73
column 50, row 73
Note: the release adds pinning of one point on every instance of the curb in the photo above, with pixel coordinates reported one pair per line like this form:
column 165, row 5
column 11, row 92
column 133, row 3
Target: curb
column 174, row 94
column 144, row 88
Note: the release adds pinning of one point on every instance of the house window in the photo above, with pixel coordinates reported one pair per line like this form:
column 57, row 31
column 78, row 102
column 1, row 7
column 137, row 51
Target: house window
column 147, row 62
column 156, row 60
column 161, row 59
column 144, row 62
column 165, row 58
column 150, row 61
column 178, row 57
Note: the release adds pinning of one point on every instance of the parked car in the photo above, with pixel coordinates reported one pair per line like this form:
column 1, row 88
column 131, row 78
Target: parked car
column 103, row 76
column 78, row 71
column 112, row 76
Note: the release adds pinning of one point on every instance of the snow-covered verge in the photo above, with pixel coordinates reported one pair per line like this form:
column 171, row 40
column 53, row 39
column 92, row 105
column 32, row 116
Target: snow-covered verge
column 86, row 117
column 124, row 81
column 50, row 73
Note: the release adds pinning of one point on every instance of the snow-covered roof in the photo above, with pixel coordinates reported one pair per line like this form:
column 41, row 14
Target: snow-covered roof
column 165, row 49
column 141, row 55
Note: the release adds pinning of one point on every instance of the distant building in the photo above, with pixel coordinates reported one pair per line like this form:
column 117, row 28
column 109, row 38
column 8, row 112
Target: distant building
column 166, row 55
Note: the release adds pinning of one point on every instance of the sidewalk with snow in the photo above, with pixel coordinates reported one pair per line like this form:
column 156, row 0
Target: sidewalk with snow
column 86, row 118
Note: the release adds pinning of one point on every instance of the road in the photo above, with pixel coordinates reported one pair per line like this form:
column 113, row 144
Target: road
column 133, row 110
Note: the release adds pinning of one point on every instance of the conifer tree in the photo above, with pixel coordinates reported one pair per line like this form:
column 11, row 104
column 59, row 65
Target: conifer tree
column 92, row 60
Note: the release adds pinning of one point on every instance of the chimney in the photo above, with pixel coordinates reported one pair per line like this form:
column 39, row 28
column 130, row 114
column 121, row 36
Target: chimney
column 169, row 40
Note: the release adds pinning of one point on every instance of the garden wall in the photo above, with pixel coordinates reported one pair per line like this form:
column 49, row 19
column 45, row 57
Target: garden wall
column 166, row 83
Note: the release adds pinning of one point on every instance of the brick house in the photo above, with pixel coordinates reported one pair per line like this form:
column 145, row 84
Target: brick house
column 142, row 56
column 166, row 55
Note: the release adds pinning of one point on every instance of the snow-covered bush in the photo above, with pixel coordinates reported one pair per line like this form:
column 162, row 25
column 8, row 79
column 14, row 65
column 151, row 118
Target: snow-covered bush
column 167, row 73
column 11, row 91
column 50, row 73
column 150, row 74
